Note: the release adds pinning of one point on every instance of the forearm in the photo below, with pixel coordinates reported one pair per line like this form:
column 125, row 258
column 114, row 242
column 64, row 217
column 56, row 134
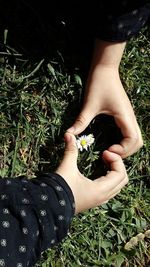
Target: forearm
column 107, row 54
column 104, row 66
column 39, row 211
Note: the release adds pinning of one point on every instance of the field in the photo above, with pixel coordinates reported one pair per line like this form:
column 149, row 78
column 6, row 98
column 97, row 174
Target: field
column 39, row 101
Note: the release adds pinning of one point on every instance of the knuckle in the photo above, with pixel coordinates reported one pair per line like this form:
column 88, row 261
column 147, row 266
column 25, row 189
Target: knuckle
column 137, row 141
column 135, row 138
column 70, row 150
column 123, row 175
column 126, row 180
column 141, row 143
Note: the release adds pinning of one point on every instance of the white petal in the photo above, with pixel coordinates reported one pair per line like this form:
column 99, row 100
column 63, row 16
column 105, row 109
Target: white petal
column 81, row 148
column 86, row 147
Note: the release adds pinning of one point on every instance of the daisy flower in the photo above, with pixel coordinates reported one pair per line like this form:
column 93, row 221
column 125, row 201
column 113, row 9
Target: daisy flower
column 85, row 141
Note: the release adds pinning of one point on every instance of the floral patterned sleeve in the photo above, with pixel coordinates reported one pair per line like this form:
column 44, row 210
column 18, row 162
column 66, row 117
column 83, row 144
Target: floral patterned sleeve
column 40, row 27
column 119, row 20
column 35, row 214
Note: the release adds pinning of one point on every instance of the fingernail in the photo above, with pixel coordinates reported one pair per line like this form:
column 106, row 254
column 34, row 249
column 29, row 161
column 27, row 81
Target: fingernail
column 67, row 137
column 71, row 129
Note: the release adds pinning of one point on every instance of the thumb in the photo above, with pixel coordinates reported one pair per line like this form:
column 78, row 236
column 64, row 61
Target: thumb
column 71, row 150
column 82, row 121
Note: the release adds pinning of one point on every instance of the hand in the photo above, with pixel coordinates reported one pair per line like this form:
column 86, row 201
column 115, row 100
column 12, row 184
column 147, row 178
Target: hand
column 88, row 193
column 106, row 95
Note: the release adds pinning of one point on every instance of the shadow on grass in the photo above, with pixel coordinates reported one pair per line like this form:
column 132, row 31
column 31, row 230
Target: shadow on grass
column 106, row 133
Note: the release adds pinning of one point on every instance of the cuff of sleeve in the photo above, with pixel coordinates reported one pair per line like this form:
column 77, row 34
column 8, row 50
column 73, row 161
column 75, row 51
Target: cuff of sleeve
column 48, row 177
column 60, row 207
column 124, row 27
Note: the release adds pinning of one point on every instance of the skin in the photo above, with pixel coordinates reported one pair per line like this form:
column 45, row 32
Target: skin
column 105, row 95
column 88, row 193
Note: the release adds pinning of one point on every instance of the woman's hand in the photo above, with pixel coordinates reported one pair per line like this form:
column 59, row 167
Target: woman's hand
column 106, row 95
column 88, row 193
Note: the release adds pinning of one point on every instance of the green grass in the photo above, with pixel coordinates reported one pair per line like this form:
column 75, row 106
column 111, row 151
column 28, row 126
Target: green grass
column 39, row 100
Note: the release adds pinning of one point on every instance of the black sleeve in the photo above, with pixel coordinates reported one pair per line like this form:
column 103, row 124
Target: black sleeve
column 119, row 20
column 35, row 215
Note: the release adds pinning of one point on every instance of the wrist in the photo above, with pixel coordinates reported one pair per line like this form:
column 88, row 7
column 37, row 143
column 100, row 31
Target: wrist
column 105, row 68
column 107, row 54
column 102, row 72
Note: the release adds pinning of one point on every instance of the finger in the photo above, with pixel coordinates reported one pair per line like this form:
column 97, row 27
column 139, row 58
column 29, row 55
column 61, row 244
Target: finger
column 68, row 166
column 119, row 186
column 114, row 161
column 111, row 196
column 132, row 137
column 71, row 150
column 118, row 149
column 117, row 174
column 82, row 121
column 105, row 192
column 127, row 147
column 134, row 144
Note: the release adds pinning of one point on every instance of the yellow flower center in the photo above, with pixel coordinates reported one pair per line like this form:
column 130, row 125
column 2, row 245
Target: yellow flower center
column 83, row 142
